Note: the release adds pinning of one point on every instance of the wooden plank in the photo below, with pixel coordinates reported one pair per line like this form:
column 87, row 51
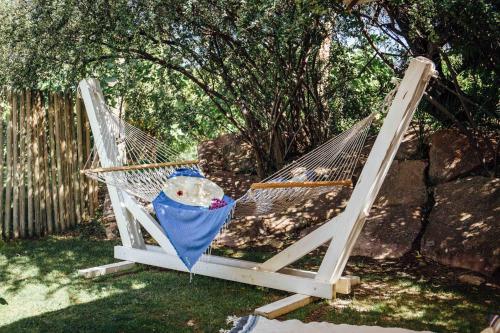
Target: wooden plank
column 68, row 111
column 2, row 190
column 89, row 273
column 79, row 162
column 29, row 148
column 36, row 165
column 274, row 280
column 60, row 180
column 92, row 95
column 345, row 284
column 40, row 227
column 63, row 159
column 141, row 166
column 8, row 181
column 273, row 185
column 47, row 195
column 89, row 185
column 22, row 164
column 284, row 306
column 53, row 163
column 86, row 155
column 82, row 153
column 303, row 246
column 142, row 217
column 15, row 166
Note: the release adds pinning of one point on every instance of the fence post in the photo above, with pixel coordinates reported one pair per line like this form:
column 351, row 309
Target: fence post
column 45, row 140
column 2, row 113
column 29, row 137
column 8, row 182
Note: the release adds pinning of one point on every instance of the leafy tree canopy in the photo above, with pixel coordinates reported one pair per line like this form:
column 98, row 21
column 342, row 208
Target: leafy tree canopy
column 286, row 74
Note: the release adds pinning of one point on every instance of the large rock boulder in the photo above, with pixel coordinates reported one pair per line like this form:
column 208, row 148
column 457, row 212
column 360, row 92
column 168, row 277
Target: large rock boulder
column 233, row 184
column 464, row 225
column 396, row 218
column 450, row 156
column 411, row 147
column 226, row 153
column 404, row 185
column 389, row 232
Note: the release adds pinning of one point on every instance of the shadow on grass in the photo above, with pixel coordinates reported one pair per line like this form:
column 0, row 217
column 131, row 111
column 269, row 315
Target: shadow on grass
column 151, row 299
column 44, row 293
column 162, row 302
column 53, row 261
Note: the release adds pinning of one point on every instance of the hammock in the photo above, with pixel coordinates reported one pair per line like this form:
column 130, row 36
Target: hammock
column 144, row 164
column 133, row 163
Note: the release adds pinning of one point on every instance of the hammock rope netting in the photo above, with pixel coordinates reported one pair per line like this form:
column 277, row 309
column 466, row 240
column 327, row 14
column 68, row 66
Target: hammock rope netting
column 140, row 165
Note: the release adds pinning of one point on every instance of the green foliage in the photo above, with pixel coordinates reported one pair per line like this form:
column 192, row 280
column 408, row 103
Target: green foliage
column 285, row 74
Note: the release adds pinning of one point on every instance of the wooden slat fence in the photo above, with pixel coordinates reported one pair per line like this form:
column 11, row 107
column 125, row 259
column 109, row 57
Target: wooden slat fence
column 45, row 140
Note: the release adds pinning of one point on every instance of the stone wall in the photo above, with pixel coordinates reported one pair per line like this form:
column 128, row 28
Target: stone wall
column 435, row 200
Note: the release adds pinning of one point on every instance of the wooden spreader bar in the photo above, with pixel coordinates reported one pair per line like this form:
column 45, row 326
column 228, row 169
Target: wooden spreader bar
column 271, row 185
column 141, row 166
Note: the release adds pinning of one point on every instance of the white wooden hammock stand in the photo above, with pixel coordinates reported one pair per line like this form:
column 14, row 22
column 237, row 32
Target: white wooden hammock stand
column 340, row 232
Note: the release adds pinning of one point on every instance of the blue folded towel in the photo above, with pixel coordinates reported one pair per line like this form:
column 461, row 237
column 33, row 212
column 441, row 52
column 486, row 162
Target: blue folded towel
column 191, row 229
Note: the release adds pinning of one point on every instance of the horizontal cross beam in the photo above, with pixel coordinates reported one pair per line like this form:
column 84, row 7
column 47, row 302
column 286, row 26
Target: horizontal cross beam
column 231, row 269
column 141, row 166
column 273, row 185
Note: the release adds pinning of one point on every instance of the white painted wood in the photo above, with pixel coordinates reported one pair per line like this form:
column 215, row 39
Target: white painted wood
column 284, row 306
column 105, row 269
column 127, row 226
column 295, row 284
column 148, row 223
column 341, row 289
column 93, row 99
column 400, row 113
column 345, row 284
column 241, row 263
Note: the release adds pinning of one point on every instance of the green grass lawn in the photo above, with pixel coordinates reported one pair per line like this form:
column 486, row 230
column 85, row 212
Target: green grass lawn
column 38, row 281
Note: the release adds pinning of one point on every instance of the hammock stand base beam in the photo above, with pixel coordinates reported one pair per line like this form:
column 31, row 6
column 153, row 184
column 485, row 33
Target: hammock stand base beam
column 295, row 281
column 93, row 272
column 284, row 306
column 341, row 232
column 296, row 301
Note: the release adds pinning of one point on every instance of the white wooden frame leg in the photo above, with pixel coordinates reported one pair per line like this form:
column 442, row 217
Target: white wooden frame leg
column 341, row 231
column 338, row 230
column 91, row 93
column 400, row 114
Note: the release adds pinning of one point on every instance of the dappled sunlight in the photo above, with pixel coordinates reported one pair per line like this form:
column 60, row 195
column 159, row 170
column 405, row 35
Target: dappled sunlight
column 277, row 230
column 45, row 273
column 46, row 292
column 463, row 224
